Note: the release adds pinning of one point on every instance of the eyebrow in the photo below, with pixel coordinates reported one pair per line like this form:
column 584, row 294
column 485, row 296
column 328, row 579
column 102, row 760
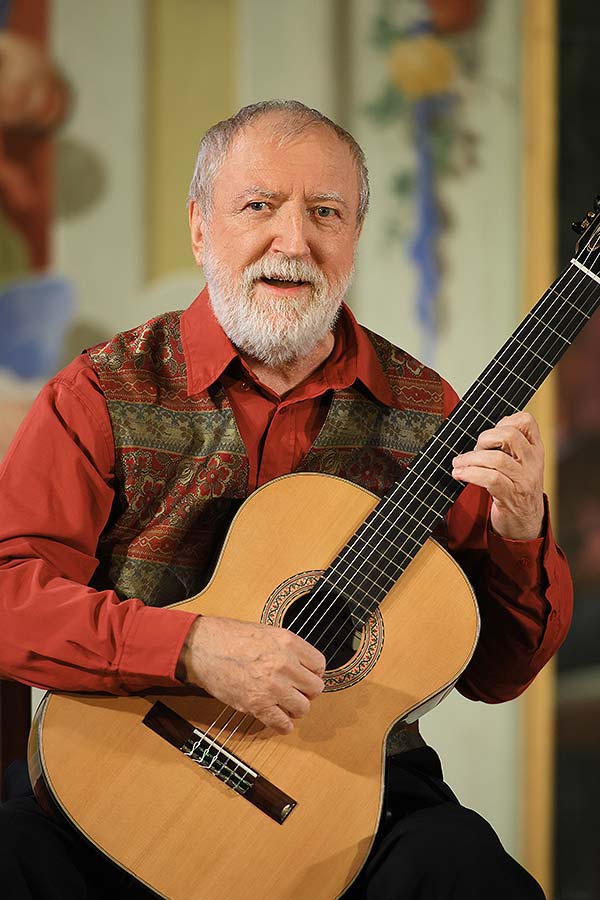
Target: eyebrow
column 331, row 195
column 278, row 195
column 258, row 192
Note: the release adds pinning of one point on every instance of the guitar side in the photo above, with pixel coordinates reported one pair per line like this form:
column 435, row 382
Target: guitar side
column 188, row 834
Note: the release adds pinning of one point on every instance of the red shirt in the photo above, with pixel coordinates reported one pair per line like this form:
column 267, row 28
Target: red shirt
column 56, row 493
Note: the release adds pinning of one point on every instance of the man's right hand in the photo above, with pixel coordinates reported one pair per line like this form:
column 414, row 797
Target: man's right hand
column 268, row 672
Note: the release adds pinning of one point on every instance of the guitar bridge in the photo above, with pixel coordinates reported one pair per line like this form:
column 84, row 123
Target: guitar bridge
column 212, row 756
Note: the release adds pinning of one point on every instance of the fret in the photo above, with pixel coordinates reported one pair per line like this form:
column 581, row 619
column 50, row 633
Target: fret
column 453, row 450
column 529, row 350
column 398, row 533
column 528, row 333
column 500, row 396
column 424, row 455
column 567, row 301
column 479, row 413
column 364, row 545
column 514, row 374
column 394, row 512
column 394, row 553
column 549, row 327
column 469, row 434
column 472, row 432
column 447, row 497
column 381, row 580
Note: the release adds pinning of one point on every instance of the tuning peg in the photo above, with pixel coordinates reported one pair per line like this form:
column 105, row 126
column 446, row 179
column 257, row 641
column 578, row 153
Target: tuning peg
column 597, row 203
column 578, row 227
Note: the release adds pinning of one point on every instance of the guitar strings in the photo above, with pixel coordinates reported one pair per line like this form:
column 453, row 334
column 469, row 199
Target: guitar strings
column 478, row 413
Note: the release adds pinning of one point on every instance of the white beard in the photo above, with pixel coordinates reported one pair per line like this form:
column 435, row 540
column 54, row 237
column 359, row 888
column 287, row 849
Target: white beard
column 276, row 331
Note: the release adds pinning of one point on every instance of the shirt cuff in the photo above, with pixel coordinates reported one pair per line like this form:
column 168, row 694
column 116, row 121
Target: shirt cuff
column 522, row 561
column 152, row 647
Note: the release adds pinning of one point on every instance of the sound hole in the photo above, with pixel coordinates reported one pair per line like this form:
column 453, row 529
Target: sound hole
column 329, row 623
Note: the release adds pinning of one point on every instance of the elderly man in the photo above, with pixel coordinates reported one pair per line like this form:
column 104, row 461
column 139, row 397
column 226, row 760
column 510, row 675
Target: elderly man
column 122, row 481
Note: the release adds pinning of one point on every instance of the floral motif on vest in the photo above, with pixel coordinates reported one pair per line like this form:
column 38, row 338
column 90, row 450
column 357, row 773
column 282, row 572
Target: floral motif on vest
column 181, row 468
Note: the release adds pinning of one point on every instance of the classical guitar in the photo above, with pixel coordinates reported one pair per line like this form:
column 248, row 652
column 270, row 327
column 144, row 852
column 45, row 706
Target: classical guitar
column 200, row 801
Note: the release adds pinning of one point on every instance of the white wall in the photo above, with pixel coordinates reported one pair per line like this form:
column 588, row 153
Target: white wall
column 284, row 52
column 101, row 51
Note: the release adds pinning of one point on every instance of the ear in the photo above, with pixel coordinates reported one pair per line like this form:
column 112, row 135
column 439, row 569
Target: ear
column 197, row 228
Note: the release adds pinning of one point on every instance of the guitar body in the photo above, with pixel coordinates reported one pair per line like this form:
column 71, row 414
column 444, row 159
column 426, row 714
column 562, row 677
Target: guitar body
column 186, row 833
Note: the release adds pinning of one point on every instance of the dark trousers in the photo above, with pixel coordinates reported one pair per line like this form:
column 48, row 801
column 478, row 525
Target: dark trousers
column 428, row 847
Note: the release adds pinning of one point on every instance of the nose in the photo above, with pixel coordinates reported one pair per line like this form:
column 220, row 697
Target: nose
column 291, row 233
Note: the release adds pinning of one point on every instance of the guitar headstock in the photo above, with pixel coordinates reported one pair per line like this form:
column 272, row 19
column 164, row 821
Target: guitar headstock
column 588, row 230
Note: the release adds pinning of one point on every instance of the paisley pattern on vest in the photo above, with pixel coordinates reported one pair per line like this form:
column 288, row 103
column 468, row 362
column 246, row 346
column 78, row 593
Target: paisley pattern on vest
column 368, row 443
column 181, row 468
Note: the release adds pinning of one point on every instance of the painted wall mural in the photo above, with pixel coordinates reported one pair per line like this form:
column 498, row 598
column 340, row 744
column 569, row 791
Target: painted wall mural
column 35, row 307
column 431, row 55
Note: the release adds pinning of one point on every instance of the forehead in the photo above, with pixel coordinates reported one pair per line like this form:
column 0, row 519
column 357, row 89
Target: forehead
column 268, row 154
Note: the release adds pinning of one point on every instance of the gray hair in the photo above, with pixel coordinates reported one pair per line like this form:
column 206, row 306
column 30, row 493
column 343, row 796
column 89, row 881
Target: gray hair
column 216, row 143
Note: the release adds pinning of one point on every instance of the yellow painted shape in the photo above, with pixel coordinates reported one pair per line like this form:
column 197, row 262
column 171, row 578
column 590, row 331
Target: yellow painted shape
column 189, row 86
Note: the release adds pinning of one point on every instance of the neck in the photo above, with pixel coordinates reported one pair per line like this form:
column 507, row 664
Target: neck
column 283, row 379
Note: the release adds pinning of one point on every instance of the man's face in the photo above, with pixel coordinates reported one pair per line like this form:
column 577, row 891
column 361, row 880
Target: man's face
column 279, row 245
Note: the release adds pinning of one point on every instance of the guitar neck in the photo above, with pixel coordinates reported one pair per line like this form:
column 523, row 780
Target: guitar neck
column 388, row 540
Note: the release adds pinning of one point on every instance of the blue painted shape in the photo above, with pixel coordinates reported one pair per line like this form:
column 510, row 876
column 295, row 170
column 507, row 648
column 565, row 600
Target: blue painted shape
column 34, row 315
column 5, row 6
column 424, row 246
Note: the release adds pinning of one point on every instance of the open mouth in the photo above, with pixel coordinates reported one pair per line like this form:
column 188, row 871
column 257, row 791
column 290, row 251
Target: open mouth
column 283, row 283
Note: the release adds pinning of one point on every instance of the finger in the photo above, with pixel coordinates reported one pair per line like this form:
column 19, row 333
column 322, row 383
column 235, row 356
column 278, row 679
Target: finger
column 506, row 438
column 295, row 704
column 276, row 718
column 495, row 483
column 497, row 460
column 525, row 423
column 311, row 658
column 308, row 683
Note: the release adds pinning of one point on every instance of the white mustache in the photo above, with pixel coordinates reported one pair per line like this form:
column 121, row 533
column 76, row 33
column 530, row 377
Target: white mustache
column 284, row 269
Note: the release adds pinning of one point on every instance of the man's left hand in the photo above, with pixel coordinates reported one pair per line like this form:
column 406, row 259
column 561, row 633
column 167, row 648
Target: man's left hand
column 508, row 461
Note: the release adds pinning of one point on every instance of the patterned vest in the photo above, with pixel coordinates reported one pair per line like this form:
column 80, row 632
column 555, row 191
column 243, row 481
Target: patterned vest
column 181, row 467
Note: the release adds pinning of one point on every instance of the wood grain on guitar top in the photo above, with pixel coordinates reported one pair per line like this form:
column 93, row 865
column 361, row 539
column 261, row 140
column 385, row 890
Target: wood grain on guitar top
column 189, row 835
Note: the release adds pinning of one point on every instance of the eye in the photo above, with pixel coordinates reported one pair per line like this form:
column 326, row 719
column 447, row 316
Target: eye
column 257, row 205
column 325, row 212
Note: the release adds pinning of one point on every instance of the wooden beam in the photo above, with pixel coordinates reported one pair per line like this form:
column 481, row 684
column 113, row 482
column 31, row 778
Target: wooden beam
column 539, row 71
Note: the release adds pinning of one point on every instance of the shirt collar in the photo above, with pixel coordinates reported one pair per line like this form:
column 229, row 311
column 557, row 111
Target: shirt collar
column 208, row 351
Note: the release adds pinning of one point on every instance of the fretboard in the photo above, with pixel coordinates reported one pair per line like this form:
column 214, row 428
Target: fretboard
column 388, row 540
